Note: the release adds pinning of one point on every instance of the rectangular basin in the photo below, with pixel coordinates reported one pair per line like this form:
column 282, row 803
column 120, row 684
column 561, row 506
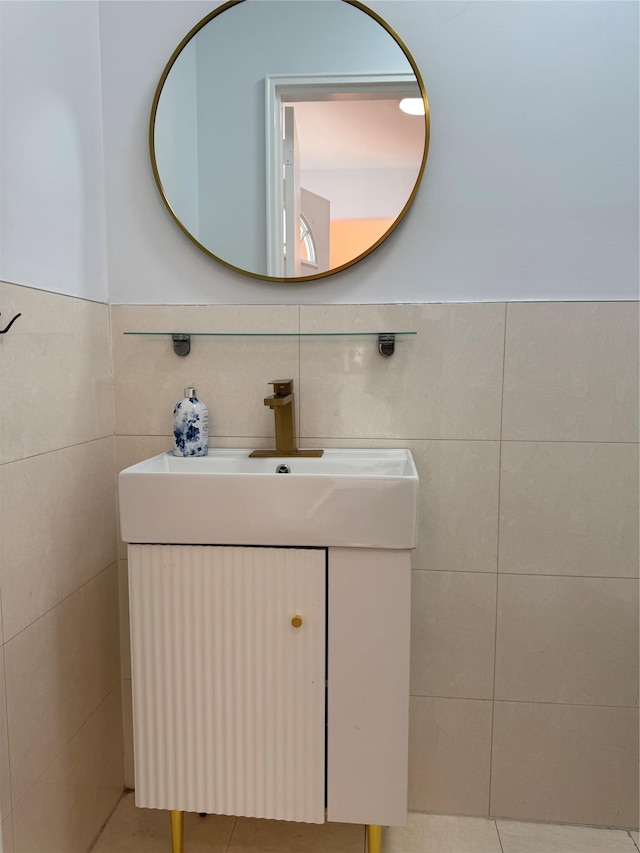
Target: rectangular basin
column 350, row 498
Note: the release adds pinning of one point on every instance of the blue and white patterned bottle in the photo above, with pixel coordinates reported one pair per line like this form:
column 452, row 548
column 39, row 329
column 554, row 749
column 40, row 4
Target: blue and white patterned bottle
column 190, row 426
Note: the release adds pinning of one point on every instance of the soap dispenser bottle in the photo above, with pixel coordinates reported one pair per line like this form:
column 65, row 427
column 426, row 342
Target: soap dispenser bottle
column 190, row 426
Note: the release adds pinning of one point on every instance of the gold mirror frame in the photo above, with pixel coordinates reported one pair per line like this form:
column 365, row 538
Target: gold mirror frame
column 286, row 279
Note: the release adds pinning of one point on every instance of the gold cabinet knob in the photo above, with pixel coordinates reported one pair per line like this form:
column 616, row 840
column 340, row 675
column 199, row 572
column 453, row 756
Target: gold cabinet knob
column 296, row 621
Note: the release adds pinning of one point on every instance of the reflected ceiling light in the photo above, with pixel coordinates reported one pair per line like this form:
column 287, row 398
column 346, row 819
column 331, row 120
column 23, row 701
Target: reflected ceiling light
column 412, row 106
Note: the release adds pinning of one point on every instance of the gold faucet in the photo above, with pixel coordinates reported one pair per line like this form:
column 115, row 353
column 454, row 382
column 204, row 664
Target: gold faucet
column 281, row 402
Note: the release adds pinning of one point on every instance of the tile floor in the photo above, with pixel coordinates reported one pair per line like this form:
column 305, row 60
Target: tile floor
column 132, row 830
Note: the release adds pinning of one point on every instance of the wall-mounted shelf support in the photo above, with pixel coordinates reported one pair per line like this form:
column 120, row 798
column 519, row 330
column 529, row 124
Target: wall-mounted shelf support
column 181, row 344
column 386, row 344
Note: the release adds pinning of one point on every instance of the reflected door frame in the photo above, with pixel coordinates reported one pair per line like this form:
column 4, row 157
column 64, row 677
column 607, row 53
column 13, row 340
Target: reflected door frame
column 308, row 87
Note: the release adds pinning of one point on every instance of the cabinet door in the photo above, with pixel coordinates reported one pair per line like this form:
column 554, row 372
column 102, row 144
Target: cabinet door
column 368, row 687
column 228, row 695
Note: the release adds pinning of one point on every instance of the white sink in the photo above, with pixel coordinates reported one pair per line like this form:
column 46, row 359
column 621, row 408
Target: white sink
column 350, row 498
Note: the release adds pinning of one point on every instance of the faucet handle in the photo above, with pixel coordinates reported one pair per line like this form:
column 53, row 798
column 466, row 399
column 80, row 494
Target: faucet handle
column 282, row 387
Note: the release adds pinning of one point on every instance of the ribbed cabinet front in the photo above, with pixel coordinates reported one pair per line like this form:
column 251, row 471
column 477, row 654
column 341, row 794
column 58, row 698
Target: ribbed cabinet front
column 228, row 695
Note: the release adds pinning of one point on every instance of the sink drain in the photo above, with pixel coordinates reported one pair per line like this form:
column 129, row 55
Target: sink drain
column 283, row 469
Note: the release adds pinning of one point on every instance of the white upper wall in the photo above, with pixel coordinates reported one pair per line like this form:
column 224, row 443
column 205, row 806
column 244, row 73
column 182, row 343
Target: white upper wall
column 530, row 190
column 531, row 186
column 176, row 139
column 52, row 231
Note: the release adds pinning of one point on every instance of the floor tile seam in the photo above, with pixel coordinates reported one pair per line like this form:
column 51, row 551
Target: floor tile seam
column 463, row 818
column 58, row 449
column 124, row 794
column 495, row 823
column 633, row 839
column 563, row 824
column 523, row 701
column 227, row 848
column 86, row 721
column 62, row 600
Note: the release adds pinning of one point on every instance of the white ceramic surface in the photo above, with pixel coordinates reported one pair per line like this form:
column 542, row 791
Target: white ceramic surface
column 347, row 497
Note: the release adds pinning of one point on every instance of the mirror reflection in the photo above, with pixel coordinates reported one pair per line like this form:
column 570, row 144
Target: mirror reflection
column 278, row 140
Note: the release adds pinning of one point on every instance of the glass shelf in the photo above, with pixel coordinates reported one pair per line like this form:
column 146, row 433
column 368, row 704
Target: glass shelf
column 273, row 334
column 182, row 340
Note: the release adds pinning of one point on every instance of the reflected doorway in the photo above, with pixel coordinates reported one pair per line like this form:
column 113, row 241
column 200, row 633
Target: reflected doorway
column 345, row 141
column 315, row 224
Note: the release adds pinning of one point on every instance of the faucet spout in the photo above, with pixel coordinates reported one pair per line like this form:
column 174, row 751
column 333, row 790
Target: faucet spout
column 281, row 402
column 274, row 401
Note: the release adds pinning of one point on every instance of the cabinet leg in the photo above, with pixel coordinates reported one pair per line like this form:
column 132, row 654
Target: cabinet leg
column 177, row 831
column 374, row 839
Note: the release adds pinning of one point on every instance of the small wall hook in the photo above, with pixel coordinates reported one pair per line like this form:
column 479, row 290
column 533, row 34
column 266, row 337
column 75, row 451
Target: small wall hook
column 11, row 322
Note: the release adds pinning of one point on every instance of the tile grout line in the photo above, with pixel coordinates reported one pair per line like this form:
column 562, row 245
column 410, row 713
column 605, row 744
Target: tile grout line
column 495, row 823
column 524, row 702
column 529, row 574
column 65, row 598
column 58, row 449
column 9, row 816
column 495, row 630
column 66, row 744
column 387, row 438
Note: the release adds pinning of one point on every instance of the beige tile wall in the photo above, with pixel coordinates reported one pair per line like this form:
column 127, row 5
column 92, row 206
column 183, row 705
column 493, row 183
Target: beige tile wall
column 61, row 770
column 523, row 420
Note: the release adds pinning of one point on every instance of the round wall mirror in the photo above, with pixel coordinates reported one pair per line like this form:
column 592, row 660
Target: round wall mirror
column 288, row 137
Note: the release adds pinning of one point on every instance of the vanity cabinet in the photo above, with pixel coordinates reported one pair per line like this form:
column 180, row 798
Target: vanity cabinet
column 271, row 682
